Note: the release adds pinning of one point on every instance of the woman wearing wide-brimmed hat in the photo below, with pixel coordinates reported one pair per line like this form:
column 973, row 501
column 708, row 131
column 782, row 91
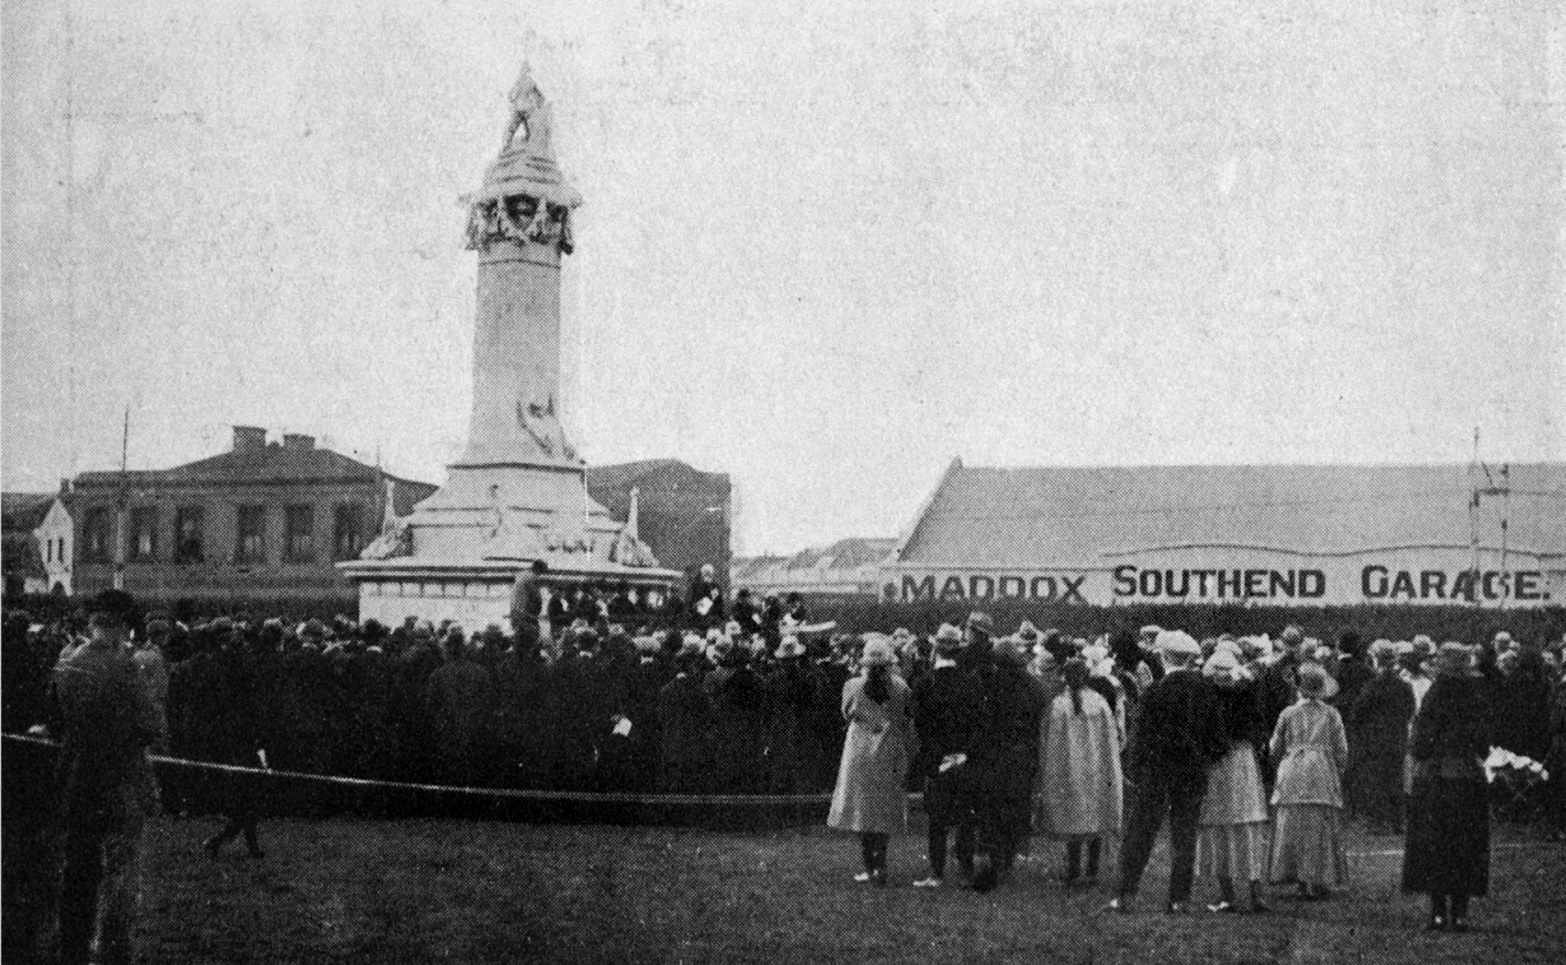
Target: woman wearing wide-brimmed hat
column 1232, row 843
column 869, row 798
column 1447, row 850
column 1311, row 749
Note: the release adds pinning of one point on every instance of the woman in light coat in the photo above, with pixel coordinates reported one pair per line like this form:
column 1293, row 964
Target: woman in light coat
column 870, row 798
column 1311, row 749
column 1083, row 783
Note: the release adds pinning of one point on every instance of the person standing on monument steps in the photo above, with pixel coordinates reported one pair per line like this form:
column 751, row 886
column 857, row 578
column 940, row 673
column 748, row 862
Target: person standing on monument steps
column 529, row 619
column 1179, row 733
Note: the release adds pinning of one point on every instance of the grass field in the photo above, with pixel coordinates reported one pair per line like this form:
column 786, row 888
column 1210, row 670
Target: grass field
column 347, row 890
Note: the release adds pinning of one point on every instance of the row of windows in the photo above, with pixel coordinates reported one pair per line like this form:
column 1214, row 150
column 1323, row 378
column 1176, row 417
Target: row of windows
column 250, row 534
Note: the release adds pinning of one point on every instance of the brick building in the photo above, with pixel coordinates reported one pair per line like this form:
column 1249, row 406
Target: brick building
column 684, row 515
column 258, row 526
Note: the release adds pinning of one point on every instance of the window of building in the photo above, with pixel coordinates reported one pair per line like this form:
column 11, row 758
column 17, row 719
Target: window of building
column 299, row 533
column 97, row 535
column 189, row 534
column 49, row 551
column 143, row 533
column 250, row 535
column 348, row 531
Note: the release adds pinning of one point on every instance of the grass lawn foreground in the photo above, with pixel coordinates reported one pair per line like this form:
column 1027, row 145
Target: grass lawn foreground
column 352, row 890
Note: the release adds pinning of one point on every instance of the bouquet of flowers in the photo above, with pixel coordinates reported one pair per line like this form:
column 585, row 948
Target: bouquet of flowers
column 1514, row 783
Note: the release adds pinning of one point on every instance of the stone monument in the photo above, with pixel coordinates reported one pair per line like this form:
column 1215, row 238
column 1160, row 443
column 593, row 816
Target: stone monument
column 519, row 492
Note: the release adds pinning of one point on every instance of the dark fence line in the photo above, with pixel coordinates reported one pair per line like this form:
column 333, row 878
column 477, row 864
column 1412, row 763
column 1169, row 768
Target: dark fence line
column 29, row 762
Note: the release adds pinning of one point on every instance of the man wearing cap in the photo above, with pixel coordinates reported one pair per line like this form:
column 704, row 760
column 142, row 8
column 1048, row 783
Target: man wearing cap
column 944, row 702
column 1179, row 732
column 105, row 720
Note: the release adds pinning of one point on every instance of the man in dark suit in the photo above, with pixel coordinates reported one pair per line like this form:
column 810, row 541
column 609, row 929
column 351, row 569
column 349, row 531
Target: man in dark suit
column 944, row 703
column 1179, row 732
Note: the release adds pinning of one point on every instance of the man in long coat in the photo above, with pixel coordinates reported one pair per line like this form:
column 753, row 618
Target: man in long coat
column 1179, row 732
column 457, row 699
column 1004, row 757
column 106, row 720
column 945, row 701
column 1378, row 723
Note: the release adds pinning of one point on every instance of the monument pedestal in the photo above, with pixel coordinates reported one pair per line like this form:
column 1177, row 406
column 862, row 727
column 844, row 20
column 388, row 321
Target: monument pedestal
column 519, row 492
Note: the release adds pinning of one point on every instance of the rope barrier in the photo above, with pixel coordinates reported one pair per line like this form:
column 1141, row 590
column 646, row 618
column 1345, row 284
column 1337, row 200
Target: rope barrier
column 585, row 797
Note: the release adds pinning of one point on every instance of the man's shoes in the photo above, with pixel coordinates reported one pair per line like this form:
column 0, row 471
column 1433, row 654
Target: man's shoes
column 1435, row 923
column 1120, row 905
column 1177, row 908
column 1223, row 907
column 930, row 882
column 1460, row 925
column 256, row 854
column 878, row 878
column 211, row 846
column 986, row 880
column 862, row 877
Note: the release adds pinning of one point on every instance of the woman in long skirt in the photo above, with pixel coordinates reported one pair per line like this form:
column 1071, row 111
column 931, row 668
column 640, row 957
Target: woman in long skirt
column 1083, row 783
column 1446, row 854
column 870, row 798
column 1232, row 841
column 1311, row 749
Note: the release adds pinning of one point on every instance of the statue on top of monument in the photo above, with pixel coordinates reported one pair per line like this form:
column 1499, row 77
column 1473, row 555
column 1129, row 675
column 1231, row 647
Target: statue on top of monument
column 532, row 116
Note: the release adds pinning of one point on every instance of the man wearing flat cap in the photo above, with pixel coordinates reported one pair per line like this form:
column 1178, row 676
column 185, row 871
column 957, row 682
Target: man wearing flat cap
column 105, row 720
column 1179, row 732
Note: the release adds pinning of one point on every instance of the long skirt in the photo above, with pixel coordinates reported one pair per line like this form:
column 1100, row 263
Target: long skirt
column 1307, row 845
column 1235, row 851
column 1447, row 848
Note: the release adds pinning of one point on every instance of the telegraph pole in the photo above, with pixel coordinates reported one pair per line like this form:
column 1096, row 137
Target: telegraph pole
column 121, row 505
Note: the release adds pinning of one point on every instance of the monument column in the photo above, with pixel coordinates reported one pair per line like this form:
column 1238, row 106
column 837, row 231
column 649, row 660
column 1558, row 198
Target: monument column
column 519, row 492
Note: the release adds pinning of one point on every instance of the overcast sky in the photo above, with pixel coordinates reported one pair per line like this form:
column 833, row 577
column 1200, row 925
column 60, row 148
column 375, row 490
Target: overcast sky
column 825, row 247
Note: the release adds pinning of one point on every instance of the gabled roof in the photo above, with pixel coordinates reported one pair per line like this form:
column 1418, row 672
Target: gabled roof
column 621, row 475
column 1024, row 517
column 23, row 512
column 271, row 463
column 845, row 554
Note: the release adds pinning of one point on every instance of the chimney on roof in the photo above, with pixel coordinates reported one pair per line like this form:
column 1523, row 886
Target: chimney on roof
column 297, row 440
column 249, row 438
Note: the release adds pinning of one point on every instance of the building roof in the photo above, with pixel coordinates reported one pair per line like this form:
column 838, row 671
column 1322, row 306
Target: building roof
column 621, row 475
column 22, row 512
column 1040, row 516
column 272, row 463
column 836, row 568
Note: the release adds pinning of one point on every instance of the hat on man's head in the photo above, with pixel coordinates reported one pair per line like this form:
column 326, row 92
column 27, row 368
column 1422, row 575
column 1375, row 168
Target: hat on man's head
column 1312, row 680
column 790, row 647
column 1009, row 651
column 1453, row 658
column 1027, row 634
column 1292, row 636
column 112, row 607
column 1223, row 663
column 981, row 622
column 1151, row 630
column 948, row 639
column 1177, row 643
column 902, row 634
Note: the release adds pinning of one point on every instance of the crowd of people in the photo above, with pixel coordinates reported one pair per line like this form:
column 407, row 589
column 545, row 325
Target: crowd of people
column 1255, row 750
